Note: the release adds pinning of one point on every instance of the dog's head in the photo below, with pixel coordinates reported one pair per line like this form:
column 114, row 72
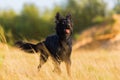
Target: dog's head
column 64, row 26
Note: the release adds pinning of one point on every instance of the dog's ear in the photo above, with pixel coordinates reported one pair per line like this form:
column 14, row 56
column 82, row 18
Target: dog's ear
column 57, row 17
column 68, row 16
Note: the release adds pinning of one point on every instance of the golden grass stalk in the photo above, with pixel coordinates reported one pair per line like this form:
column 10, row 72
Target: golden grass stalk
column 3, row 40
column 2, row 35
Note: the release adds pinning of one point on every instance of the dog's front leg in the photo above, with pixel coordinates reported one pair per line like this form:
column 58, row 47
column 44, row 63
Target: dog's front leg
column 43, row 59
column 57, row 67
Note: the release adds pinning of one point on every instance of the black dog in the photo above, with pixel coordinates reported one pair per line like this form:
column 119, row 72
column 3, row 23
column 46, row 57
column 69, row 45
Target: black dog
column 58, row 46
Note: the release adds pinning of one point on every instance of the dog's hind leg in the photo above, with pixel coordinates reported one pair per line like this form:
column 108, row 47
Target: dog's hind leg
column 43, row 59
column 43, row 54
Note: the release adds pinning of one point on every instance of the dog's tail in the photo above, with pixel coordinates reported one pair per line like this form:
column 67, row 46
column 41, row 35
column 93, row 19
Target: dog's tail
column 27, row 47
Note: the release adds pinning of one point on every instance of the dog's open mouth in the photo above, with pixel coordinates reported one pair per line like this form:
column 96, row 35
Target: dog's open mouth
column 67, row 31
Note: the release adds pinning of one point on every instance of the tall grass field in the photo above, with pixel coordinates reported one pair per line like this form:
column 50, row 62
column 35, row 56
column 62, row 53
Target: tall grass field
column 99, row 64
column 86, row 65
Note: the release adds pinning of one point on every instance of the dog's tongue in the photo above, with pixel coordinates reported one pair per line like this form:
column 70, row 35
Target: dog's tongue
column 67, row 31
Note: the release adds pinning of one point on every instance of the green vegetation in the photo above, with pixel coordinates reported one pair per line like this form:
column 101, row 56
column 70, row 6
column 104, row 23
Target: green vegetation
column 32, row 24
column 117, row 7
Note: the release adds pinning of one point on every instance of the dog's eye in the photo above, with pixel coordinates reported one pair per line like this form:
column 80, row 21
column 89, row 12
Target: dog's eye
column 64, row 22
column 68, row 21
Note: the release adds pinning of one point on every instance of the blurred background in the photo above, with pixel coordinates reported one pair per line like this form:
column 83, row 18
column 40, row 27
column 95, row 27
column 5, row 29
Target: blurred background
column 34, row 19
column 96, row 38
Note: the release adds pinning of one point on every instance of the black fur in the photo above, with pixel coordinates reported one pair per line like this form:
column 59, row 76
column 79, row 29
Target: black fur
column 59, row 45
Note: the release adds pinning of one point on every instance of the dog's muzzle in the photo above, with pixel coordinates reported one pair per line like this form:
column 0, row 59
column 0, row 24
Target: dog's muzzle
column 67, row 31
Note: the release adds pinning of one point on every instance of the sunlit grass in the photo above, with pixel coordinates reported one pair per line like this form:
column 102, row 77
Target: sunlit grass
column 86, row 65
column 1, row 59
column 2, row 36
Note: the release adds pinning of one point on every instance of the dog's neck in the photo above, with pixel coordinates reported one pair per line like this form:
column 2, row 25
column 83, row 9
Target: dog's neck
column 65, row 41
column 63, row 38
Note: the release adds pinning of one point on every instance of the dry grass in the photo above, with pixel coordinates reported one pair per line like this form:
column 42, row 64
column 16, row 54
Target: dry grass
column 2, row 35
column 86, row 65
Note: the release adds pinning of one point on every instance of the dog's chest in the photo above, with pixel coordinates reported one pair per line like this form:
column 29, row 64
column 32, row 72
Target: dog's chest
column 56, row 47
column 65, row 47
